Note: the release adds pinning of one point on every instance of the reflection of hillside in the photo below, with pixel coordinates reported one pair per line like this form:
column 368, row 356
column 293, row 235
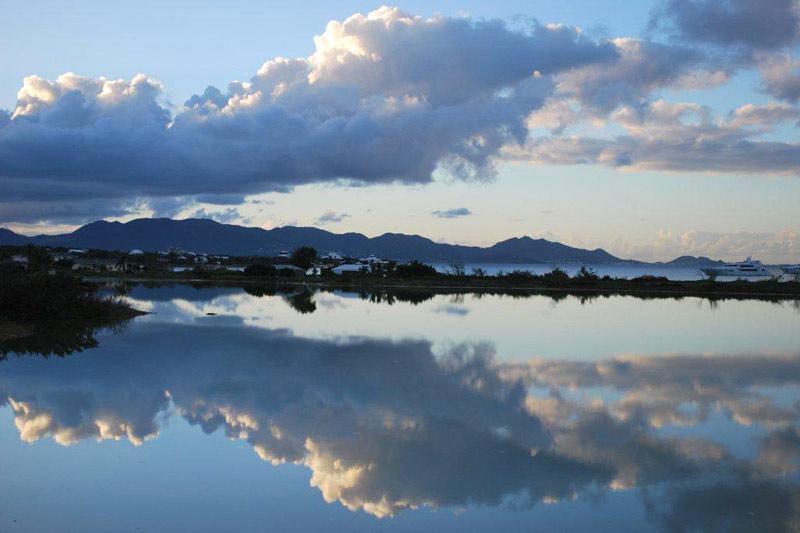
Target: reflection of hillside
column 386, row 426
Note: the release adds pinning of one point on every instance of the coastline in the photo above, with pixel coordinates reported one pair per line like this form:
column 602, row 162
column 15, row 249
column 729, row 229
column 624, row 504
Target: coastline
column 768, row 289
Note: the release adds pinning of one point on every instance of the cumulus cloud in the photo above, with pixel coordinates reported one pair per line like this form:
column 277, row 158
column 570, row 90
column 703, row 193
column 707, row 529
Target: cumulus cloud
column 781, row 76
column 738, row 501
column 330, row 217
column 774, row 247
column 392, row 97
column 740, row 34
column 455, row 212
column 753, row 24
column 639, row 68
column 678, row 137
column 226, row 216
column 385, row 97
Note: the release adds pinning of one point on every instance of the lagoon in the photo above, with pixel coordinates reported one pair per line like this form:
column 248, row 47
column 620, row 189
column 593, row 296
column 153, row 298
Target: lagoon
column 614, row 270
column 235, row 409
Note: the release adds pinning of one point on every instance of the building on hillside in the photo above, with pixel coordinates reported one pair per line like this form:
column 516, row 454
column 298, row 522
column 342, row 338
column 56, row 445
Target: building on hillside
column 20, row 259
column 62, row 256
column 344, row 269
column 98, row 265
column 132, row 266
column 285, row 269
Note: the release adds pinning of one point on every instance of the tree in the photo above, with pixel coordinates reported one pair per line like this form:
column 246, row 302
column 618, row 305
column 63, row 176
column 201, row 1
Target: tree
column 457, row 269
column 38, row 259
column 586, row 276
column 556, row 277
column 302, row 302
column 261, row 271
column 415, row 269
column 304, row 257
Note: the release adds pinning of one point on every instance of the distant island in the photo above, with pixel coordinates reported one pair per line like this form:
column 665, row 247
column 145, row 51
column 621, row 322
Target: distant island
column 210, row 237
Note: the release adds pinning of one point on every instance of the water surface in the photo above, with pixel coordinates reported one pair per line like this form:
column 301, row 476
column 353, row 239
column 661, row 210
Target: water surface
column 232, row 409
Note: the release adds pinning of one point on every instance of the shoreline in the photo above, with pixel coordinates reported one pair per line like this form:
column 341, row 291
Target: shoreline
column 656, row 288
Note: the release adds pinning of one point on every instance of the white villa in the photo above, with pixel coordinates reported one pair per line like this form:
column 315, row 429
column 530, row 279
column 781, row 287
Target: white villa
column 341, row 269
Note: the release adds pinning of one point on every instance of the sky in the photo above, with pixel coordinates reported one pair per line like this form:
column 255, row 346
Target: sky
column 651, row 130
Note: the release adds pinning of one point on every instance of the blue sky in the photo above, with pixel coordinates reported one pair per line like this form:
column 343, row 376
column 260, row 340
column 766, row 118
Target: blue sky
column 648, row 168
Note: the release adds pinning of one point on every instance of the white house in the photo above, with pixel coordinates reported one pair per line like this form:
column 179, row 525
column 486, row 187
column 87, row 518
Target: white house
column 342, row 269
column 335, row 256
column 292, row 268
column 98, row 265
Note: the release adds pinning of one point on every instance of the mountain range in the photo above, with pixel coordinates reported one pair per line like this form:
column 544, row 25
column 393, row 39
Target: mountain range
column 208, row 236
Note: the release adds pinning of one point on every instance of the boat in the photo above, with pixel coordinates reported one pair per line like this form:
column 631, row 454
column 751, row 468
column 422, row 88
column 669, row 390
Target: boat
column 748, row 267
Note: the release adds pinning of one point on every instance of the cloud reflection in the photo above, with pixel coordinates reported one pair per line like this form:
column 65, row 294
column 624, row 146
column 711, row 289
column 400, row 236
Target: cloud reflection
column 387, row 425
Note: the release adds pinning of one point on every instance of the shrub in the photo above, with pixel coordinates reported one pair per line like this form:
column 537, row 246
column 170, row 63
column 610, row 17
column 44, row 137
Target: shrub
column 556, row 277
column 62, row 296
column 261, row 271
column 520, row 276
column 586, row 276
column 304, row 257
column 415, row 269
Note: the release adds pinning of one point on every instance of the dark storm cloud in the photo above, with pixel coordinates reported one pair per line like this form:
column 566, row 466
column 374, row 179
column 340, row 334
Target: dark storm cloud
column 385, row 97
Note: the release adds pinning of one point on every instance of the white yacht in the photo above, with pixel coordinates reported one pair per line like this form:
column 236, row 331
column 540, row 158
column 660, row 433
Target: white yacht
column 748, row 267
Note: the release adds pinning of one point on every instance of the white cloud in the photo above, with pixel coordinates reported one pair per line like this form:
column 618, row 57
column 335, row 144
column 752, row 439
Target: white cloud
column 770, row 247
column 330, row 217
column 455, row 212
column 682, row 137
column 385, row 97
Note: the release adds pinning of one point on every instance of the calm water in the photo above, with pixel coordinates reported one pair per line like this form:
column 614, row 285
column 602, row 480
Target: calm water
column 627, row 271
column 409, row 412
